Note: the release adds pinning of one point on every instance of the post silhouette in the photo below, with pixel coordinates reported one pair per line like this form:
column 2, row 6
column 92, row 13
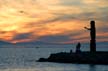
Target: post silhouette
column 92, row 36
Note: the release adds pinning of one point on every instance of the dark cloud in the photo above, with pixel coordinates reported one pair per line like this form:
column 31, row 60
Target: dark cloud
column 101, row 37
column 103, row 18
column 103, row 29
column 71, row 3
column 76, row 33
column 22, row 36
column 61, row 38
column 54, row 38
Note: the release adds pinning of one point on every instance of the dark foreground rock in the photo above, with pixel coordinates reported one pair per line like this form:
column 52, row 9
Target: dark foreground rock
column 80, row 58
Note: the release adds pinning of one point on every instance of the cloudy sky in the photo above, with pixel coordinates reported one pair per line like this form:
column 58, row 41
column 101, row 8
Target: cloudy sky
column 55, row 21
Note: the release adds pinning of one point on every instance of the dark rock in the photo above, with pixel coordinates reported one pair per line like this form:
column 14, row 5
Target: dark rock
column 42, row 60
column 83, row 58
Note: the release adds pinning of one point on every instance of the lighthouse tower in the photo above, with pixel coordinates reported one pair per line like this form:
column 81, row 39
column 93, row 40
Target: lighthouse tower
column 92, row 30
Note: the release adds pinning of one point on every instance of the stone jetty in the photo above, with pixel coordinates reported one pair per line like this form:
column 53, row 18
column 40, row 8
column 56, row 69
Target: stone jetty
column 79, row 58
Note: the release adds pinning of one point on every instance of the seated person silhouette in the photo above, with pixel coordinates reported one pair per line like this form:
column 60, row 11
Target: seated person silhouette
column 71, row 51
column 78, row 48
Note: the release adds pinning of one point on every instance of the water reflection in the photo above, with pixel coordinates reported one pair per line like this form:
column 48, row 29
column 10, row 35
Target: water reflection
column 24, row 59
column 92, row 67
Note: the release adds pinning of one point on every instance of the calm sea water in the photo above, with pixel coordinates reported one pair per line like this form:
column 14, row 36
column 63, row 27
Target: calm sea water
column 18, row 58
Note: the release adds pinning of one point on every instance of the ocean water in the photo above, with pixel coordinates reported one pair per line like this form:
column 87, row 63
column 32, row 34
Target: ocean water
column 23, row 58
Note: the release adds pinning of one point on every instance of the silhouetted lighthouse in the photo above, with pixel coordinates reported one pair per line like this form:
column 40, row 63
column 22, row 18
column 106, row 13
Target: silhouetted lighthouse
column 93, row 36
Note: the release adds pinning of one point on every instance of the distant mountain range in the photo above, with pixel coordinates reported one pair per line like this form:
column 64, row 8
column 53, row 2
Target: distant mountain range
column 39, row 43
column 29, row 43
column 5, row 43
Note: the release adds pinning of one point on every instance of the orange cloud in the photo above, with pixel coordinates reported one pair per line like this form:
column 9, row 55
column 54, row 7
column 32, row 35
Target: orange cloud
column 52, row 17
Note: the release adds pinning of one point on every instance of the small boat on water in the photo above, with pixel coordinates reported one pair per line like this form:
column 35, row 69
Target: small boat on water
column 37, row 47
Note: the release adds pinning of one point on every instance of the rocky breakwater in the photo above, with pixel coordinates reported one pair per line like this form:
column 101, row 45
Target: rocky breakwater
column 80, row 58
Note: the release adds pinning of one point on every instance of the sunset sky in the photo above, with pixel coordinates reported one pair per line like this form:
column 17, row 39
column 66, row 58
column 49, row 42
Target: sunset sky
column 54, row 21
